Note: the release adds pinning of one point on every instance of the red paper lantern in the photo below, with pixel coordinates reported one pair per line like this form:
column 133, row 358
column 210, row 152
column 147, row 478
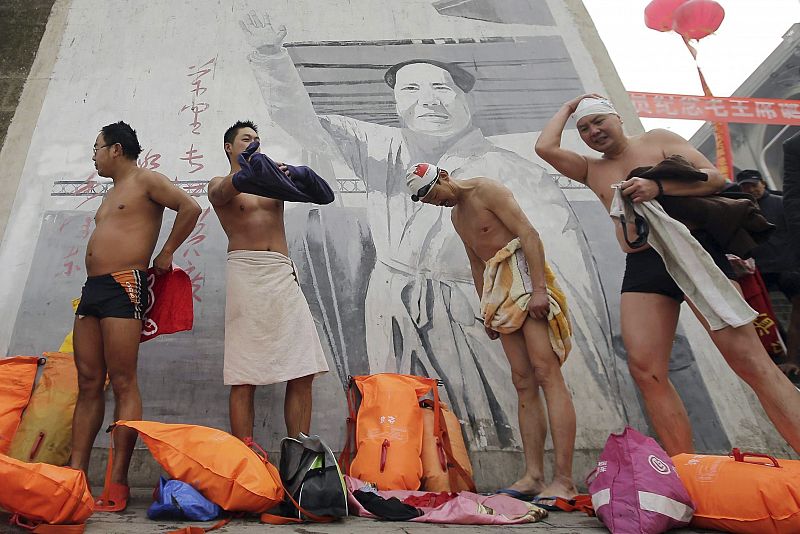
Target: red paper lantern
column 658, row 14
column 698, row 18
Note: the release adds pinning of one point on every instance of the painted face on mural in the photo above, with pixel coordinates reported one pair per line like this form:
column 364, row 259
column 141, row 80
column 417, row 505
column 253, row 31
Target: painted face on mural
column 244, row 136
column 428, row 101
column 600, row 131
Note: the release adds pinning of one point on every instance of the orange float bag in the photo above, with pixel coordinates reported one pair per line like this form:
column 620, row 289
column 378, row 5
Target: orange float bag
column 388, row 429
column 17, row 375
column 43, row 493
column 743, row 493
column 215, row 463
column 45, row 433
column 445, row 462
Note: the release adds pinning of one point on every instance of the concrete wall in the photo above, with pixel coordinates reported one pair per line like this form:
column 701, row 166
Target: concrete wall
column 387, row 281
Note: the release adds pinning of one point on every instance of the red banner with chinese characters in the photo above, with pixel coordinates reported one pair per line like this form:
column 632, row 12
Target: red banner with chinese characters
column 717, row 109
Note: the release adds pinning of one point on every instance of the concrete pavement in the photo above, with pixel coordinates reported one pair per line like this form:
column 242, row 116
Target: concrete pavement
column 134, row 521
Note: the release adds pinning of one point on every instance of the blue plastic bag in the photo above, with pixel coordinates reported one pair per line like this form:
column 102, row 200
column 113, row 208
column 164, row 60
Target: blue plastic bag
column 178, row 500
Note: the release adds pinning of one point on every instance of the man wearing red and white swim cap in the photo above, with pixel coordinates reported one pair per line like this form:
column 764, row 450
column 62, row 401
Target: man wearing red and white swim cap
column 523, row 305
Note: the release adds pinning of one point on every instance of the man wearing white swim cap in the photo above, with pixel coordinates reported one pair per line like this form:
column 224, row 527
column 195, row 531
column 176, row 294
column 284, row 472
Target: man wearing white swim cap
column 593, row 106
column 650, row 302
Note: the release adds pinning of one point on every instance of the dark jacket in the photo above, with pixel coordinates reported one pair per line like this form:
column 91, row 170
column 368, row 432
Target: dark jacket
column 777, row 254
column 791, row 191
column 736, row 224
column 261, row 176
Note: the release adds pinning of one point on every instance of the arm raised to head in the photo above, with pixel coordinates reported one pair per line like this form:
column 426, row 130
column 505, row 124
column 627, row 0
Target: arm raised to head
column 548, row 146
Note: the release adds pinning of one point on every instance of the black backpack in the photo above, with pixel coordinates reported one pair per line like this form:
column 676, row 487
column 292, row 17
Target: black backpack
column 312, row 477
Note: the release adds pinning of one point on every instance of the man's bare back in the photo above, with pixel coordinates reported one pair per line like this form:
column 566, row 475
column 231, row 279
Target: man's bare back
column 127, row 224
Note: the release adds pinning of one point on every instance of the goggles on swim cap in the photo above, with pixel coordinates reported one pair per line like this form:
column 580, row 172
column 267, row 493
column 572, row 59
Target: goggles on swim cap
column 420, row 179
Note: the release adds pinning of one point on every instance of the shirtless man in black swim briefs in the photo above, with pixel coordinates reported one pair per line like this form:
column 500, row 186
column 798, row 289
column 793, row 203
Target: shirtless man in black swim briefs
column 108, row 321
column 650, row 301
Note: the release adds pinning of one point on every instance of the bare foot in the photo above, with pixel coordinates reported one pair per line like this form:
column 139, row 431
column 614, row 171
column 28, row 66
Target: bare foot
column 528, row 485
column 559, row 487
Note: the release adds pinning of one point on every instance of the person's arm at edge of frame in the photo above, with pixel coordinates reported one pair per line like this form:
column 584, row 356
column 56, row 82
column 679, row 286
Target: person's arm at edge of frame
column 548, row 145
column 791, row 189
column 165, row 193
column 502, row 203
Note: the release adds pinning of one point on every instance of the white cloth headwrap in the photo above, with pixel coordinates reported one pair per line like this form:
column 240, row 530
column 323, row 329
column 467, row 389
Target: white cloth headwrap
column 593, row 106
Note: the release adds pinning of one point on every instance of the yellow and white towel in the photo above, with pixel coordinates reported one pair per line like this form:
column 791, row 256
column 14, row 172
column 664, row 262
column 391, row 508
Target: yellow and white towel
column 270, row 335
column 507, row 290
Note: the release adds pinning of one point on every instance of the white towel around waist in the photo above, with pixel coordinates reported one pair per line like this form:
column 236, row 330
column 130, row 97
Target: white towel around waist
column 270, row 335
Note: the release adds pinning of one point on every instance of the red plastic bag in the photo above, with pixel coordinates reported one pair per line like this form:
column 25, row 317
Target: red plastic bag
column 171, row 307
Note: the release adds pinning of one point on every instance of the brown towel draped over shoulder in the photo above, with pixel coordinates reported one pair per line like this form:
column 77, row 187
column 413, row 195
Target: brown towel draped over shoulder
column 735, row 223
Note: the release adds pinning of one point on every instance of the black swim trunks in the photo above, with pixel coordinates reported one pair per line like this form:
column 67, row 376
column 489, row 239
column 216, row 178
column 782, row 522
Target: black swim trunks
column 645, row 271
column 122, row 294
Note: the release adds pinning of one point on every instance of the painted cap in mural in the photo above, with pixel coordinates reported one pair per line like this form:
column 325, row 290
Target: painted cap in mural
column 463, row 79
column 420, row 179
column 593, row 106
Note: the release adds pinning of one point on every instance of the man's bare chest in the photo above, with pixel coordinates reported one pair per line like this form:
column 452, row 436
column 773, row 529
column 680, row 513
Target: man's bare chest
column 250, row 209
column 475, row 224
column 124, row 204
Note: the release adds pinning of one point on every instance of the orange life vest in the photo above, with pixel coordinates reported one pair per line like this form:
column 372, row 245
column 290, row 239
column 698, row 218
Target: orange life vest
column 443, row 471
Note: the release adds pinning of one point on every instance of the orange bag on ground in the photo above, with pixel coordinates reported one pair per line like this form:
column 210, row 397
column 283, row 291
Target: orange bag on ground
column 215, row 463
column 388, row 429
column 17, row 375
column 445, row 462
column 743, row 493
column 45, row 433
column 44, row 493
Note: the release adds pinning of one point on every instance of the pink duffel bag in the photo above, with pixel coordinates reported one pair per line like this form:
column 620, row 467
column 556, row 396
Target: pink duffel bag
column 635, row 488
